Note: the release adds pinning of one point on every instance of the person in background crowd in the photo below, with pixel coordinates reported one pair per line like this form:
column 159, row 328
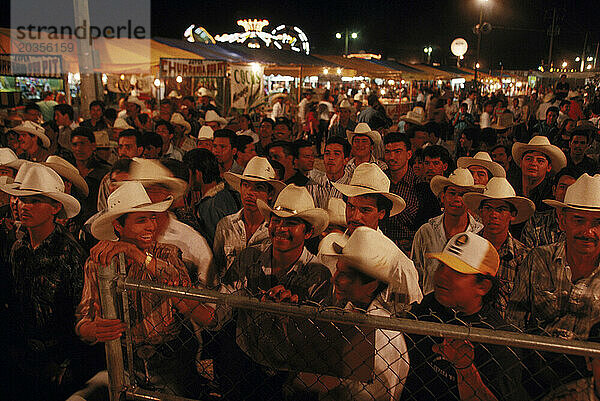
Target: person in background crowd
column 33, row 112
column 33, row 141
column 303, row 106
column 214, row 120
column 96, row 121
column 246, row 127
column 563, row 137
column 278, row 106
column 343, row 123
column 167, row 132
column 325, row 111
column 547, row 127
column 481, row 167
column 152, row 144
column 374, row 115
column 469, row 142
column 206, row 138
column 461, row 121
column 246, row 150
column 501, row 154
column 335, row 157
column 283, row 152
column 576, row 111
column 266, row 136
column 165, row 110
column 563, row 112
column 283, row 131
column 561, row 89
column 134, row 116
column 304, row 157
column 576, row 158
column 433, row 235
column 189, row 112
column 181, row 128
column 47, row 106
column 485, row 120
column 365, row 142
column 206, row 98
column 225, row 151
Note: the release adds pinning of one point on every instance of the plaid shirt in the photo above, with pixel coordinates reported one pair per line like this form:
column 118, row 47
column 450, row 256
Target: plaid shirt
column 541, row 229
column 546, row 299
column 322, row 188
column 401, row 228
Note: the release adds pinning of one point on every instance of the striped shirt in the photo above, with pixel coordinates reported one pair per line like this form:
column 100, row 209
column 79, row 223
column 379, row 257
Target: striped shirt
column 322, row 189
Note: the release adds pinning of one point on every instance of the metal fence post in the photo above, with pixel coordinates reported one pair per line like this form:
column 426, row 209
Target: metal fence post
column 114, row 355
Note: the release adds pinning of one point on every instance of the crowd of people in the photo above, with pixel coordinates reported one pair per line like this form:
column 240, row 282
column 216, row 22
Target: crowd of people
column 470, row 210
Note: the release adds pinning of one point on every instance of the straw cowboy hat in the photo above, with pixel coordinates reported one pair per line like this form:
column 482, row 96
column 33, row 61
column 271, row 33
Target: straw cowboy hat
column 505, row 121
column 68, row 172
column 499, row 188
column 8, row 158
column 540, row 144
column 204, row 92
column 150, row 171
column 461, row 177
column 34, row 129
column 37, row 179
column 258, row 169
column 121, row 124
column 212, row 115
column 6, row 180
column 369, row 179
column 336, row 209
column 379, row 262
column 177, row 119
column 573, row 95
column 364, row 129
column 345, row 104
column 206, row 133
column 469, row 253
column 584, row 194
column 130, row 197
column 415, row 116
column 277, row 96
column 103, row 140
column 136, row 100
column 548, row 97
column 295, row 201
column 484, row 160
column 174, row 95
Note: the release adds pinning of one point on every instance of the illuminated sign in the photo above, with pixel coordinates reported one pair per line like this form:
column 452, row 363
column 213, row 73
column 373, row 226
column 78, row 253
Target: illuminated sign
column 198, row 34
column 365, row 56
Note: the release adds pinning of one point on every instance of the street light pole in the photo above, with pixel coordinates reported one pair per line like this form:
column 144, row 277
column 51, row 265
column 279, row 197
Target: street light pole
column 346, row 47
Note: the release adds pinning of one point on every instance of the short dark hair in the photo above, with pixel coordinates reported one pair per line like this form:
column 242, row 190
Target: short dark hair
column 166, row 124
column 204, row 161
column 226, row 133
column 32, row 106
column 65, row 109
column 134, row 133
column 268, row 120
column 84, row 132
column 98, row 103
column 568, row 171
column 381, row 202
column 110, row 113
column 121, row 165
column 177, row 168
column 278, row 167
column 394, row 137
column 246, row 116
column 412, row 129
column 241, row 141
column 553, row 109
column 288, row 147
column 189, row 98
column 433, row 128
column 299, row 144
column 152, row 139
column 473, row 134
column 285, row 121
column 437, row 151
column 581, row 132
column 533, row 150
column 340, row 141
column 507, row 150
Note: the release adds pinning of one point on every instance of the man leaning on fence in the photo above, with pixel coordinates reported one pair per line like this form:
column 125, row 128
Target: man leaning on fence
column 129, row 226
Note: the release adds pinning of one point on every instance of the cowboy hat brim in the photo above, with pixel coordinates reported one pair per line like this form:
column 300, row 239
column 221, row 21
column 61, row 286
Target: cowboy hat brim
column 503, row 127
column 375, row 136
column 398, row 204
column 412, row 120
column 43, row 137
column 316, row 217
column 439, row 182
column 525, row 207
column 561, row 205
column 493, row 167
column 557, row 157
column 277, row 96
column 15, row 164
column 70, row 204
column 176, row 186
column 68, row 174
column 235, row 180
column 102, row 227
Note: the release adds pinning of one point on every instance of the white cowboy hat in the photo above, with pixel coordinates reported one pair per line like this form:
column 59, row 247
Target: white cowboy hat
column 103, row 140
column 136, row 100
column 484, row 160
column 548, row 97
column 120, row 123
column 358, row 97
column 540, row 144
column 258, row 169
column 469, row 253
column 573, row 95
column 37, row 179
column 150, row 171
column 584, row 194
column 295, row 201
column 499, row 188
column 68, row 172
column 277, row 96
column 8, row 158
column 174, row 95
column 505, row 121
column 205, row 133
column 34, row 129
column 6, row 180
column 461, row 177
column 364, row 129
column 366, row 250
column 130, row 197
column 415, row 116
column 345, row 104
column 212, row 115
column 369, row 179
column 336, row 209
column 204, row 92
column 177, row 119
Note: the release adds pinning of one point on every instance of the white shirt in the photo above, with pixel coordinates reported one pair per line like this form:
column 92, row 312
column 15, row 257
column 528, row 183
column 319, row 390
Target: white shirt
column 485, row 120
column 277, row 111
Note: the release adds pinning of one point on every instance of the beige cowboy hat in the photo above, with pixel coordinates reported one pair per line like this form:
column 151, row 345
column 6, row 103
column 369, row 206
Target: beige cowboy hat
column 358, row 98
column 103, row 140
column 174, row 95
column 345, row 104
column 37, row 179
column 584, row 194
column 204, row 92
column 8, row 158
column 469, row 253
column 258, row 169
column 177, row 119
column 68, row 172
column 336, row 209
column 499, row 188
column 205, row 133
column 364, row 129
column 379, row 262
column 548, row 97
column 34, row 129
column 540, row 144
column 130, row 197
column 6, row 180
column 212, row 115
column 415, row 116
column 295, row 201
column 369, row 179
column 484, row 160
column 277, row 96
column 150, row 171
column 573, row 95
column 461, row 177
column 121, row 124
column 505, row 121
column 136, row 100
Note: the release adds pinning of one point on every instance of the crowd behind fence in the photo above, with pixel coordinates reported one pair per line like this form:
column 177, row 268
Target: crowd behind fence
column 282, row 351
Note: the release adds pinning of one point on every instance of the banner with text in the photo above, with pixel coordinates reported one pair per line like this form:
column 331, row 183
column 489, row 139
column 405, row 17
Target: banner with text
column 173, row 67
column 246, row 86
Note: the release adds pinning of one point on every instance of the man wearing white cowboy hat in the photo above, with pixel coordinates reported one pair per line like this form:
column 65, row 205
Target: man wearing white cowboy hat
column 537, row 160
column 134, row 113
column 341, row 121
column 206, row 101
column 365, row 144
column 128, row 226
column 248, row 226
column 360, row 281
column 368, row 202
column 415, row 117
column 465, row 290
column 499, row 207
column 481, row 167
column 206, row 137
column 46, row 265
column 433, row 235
column 277, row 103
column 33, row 141
column 9, row 163
column 214, row 120
column 181, row 129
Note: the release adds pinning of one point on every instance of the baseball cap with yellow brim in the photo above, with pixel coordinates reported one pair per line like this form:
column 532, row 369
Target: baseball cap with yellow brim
column 468, row 253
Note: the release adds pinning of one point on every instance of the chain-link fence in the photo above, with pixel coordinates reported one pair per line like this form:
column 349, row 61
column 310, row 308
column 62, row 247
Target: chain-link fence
column 282, row 351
